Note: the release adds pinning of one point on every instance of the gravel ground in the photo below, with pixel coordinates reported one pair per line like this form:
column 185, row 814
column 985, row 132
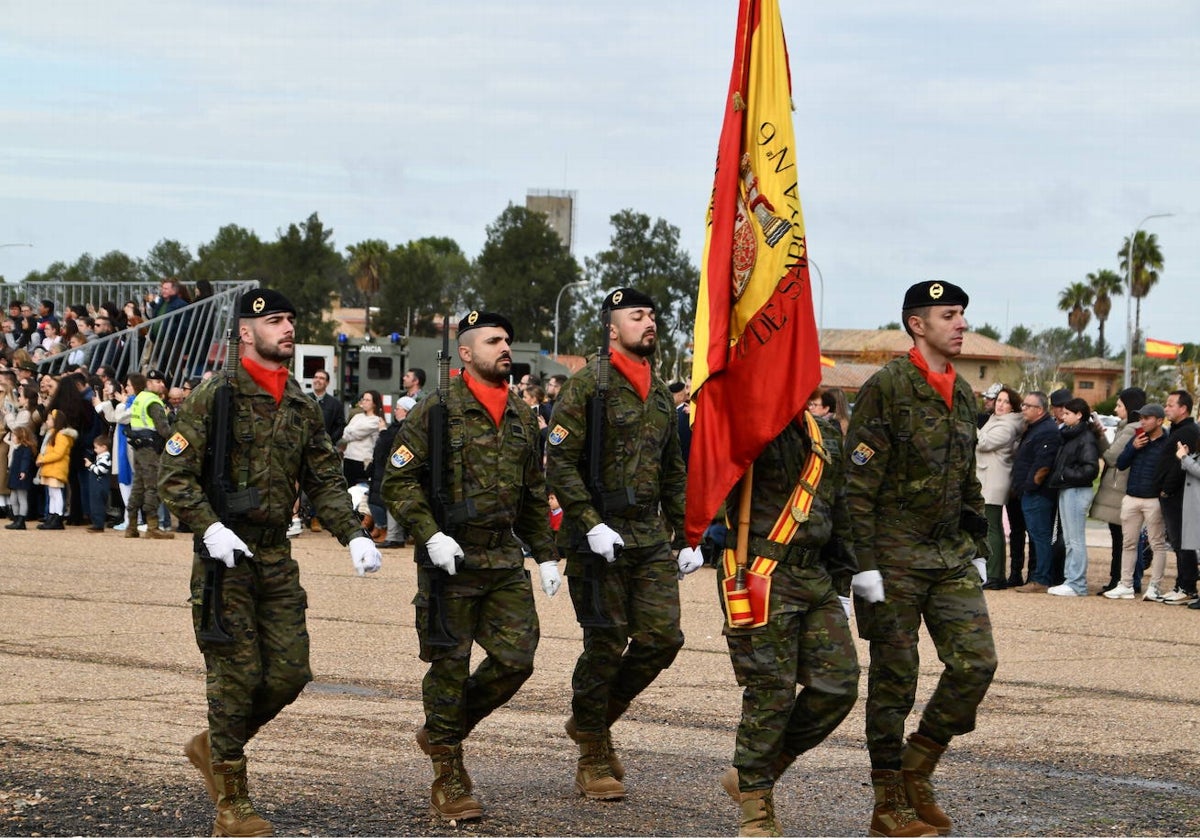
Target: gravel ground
column 1090, row 728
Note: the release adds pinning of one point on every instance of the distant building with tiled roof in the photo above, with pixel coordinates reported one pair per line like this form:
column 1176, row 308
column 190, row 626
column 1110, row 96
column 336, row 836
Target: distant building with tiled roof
column 1096, row 379
column 857, row 354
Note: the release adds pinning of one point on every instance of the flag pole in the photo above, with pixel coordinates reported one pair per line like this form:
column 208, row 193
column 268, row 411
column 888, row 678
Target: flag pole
column 741, row 554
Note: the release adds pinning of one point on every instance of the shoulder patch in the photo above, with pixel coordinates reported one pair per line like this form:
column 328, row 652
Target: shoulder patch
column 861, row 454
column 402, row 456
column 558, row 434
column 176, row 444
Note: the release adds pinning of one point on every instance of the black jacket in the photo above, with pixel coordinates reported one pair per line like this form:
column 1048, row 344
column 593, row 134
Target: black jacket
column 1078, row 461
column 1169, row 478
column 1143, row 466
column 1037, row 451
column 334, row 415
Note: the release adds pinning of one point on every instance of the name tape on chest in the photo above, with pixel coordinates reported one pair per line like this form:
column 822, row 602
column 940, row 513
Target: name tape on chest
column 176, row 444
column 402, row 456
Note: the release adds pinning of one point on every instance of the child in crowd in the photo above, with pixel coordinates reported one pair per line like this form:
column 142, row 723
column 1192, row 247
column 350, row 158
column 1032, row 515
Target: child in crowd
column 20, row 475
column 54, row 467
column 97, row 484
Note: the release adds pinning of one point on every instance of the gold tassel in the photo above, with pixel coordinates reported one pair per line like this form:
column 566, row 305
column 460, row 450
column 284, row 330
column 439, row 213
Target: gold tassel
column 739, row 104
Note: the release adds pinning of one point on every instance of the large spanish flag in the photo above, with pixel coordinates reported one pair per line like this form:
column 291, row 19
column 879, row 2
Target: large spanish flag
column 1156, row 349
column 757, row 355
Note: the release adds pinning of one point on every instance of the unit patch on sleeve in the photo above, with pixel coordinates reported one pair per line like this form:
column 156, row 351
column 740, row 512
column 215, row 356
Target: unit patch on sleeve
column 557, row 435
column 401, row 456
column 176, row 444
column 861, row 454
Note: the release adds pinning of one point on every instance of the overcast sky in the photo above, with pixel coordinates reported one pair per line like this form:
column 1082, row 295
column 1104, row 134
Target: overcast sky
column 1007, row 147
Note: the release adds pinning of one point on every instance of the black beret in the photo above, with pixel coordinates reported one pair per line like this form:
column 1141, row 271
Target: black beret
column 477, row 319
column 934, row 293
column 1060, row 397
column 626, row 299
column 676, row 387
column 259, row 303
column 155, row 373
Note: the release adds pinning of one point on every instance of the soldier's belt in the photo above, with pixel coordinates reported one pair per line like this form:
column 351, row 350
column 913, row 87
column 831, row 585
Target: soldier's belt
column 476, row 537
column 920, row 525
column 261, row 536
column 636, row 512
column 793, row 555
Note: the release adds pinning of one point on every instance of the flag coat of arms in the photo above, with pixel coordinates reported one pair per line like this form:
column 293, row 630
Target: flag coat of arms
column 756, row 349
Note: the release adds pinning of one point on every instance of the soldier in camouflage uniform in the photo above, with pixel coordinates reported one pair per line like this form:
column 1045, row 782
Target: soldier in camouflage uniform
column 495, row 474
column 643, row 461
column 807, row 638
column 279, row 446
column 917, row 512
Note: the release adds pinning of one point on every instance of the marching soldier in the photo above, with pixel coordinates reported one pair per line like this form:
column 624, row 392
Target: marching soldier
column 472, row 586
column 798, row 630
column 921, row 541
column 148, row 432
column 643, row 480
column 277, row 443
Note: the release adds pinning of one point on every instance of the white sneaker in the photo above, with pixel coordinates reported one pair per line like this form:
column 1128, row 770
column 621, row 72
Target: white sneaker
column 142, row 527
column 295, row 528
column 124, row 524
column 1178, row 597
column 1120, row 591
column 1152, row 593
column 1063, row 590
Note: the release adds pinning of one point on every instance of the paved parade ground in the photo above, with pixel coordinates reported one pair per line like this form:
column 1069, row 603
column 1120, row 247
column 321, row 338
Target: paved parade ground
column 1091, row 726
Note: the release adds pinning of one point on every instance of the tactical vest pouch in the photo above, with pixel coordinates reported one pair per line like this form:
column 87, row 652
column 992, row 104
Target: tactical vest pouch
column 622, row 502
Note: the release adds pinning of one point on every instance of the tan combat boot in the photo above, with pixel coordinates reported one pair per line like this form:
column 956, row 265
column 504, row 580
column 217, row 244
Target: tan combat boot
column 917, row 763
column 448, row 795
column 199, row 752
column 729, row 779
column 152, row 530
column 616, row 708
column 427, row 748
column 758, row 815
column 893, row 816
column 236, row 816
column 594, row 778
column 131, row 528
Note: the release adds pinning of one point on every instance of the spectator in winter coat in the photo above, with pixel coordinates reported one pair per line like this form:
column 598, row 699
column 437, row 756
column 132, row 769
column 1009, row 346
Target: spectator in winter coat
column 1075, row 468
column 1031, row 469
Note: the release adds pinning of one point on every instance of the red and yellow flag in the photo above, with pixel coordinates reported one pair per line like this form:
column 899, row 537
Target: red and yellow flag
column 757, row 356
column 1156, row 349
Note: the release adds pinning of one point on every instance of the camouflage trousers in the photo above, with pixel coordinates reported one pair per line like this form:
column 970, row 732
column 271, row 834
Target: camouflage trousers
column 950, row 601
column 641, row 595
column 144, row 494
column 807, row 642
column 266, row 667
column 489, row 607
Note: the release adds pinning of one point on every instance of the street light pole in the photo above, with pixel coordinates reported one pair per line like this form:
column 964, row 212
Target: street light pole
column 558, row 300
column 1129, row 290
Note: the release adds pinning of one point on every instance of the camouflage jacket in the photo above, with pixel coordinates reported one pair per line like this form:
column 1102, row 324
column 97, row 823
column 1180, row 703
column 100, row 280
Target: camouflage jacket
column 910, row 473
column 497, row 469
column 826, row 531
column 641, row 454
column 275, row 449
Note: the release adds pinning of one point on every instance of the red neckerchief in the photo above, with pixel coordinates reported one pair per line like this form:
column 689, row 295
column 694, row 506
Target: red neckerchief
column 493, row 397
column 943, row 383
column 636, row 371
column 271, row 380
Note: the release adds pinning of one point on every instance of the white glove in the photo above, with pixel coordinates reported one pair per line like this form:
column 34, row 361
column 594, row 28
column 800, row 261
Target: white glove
column 845, row 605
column 689, row 560
column 551, row 580
column 364, row 555
column 222, row 543
column 868, row 586
column 981, row 567
column 443, row 552
column 603, row 540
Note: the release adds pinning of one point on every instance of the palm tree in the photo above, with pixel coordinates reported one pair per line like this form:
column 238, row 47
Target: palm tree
column 1075, row 300
column 368, row 262
column 1147, row 262
column 1105, row 284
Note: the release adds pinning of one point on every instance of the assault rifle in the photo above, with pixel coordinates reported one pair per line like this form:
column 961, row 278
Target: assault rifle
column 222, row 493
column 592, row 613
column 446, row 513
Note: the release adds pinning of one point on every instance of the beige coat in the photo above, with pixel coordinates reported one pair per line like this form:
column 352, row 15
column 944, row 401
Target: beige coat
column 996, row 444
column 1107, row 505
